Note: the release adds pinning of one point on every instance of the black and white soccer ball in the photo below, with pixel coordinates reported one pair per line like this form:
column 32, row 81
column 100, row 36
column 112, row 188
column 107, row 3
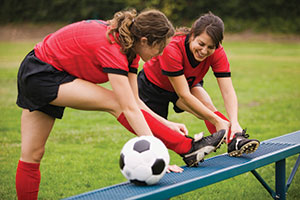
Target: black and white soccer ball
column 144, row 160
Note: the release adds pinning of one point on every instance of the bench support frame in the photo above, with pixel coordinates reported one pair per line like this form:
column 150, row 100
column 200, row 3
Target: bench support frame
column 280, row 172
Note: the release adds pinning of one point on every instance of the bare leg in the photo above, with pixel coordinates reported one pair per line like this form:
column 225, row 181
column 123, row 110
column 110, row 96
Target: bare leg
column 84, row 95
column 205, row 99
column 201, row 94
column 35, row 129
column 36, row 126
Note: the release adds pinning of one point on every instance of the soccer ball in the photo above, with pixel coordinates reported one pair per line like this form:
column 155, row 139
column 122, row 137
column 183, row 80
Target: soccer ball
column 144, row 160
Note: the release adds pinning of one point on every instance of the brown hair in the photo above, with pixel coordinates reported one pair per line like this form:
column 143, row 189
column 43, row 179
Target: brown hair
column 152, row 24
column 210, row 23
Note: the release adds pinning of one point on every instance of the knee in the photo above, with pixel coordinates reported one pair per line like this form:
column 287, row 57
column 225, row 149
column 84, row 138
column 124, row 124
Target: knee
column 33, row 155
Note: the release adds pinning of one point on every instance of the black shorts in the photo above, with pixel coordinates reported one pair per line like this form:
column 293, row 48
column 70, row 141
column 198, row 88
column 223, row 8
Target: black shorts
column 156, row 98
column 38, row 84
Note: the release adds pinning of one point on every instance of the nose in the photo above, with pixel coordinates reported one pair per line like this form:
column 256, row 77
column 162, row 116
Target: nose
column 204, row 50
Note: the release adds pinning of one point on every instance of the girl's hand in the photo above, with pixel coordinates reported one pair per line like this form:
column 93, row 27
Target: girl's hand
column 223, row 124
column 178, row 127
column 174, row 168
column 235, row 128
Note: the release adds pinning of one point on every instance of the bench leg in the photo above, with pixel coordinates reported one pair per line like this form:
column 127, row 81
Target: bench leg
column 280, row 180
column 293, row 173
column 262, row 181
column 280, row 172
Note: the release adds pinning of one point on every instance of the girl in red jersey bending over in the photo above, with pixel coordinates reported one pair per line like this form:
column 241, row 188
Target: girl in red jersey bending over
column 177, row 76
column 64, row 71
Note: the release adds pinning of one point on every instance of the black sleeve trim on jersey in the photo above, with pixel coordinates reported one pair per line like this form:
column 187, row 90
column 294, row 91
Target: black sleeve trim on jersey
column 133, row 70
column 222, row 74
column 115, row 71
column 178, row 73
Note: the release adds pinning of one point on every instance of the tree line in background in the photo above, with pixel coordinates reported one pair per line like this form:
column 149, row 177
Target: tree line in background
column 281, row 16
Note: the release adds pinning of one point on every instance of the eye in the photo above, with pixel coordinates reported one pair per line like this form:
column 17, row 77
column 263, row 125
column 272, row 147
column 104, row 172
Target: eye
column 201, row 44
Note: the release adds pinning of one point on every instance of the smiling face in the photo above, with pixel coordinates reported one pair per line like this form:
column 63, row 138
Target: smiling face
column 202, row 46
column 147, row 52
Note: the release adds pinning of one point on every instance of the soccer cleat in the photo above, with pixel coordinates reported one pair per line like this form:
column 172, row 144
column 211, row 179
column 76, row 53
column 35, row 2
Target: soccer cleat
column 240, row 144
column 202, row 146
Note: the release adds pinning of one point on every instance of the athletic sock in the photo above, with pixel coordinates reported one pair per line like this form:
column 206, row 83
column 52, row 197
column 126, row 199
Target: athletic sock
column 212, row 129
column 172, row 139
column 28, row 179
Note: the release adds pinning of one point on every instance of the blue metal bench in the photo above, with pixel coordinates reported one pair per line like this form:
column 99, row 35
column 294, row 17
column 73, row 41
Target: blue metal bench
column 213, row 170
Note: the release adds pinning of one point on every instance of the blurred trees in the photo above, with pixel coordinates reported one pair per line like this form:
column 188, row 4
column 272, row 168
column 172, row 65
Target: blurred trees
column 238, row 15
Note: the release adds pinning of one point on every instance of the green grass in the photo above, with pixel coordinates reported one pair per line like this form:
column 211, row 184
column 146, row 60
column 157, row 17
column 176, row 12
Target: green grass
column 83, row 149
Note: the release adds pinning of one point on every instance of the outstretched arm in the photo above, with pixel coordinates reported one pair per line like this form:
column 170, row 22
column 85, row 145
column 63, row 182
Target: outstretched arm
column 124, row 95
column 230, row 102
column 174, row 126
column 190, row 103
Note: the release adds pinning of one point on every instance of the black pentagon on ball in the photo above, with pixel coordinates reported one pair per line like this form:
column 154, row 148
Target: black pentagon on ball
column 158, row 166
column 139, row 183
column 121, row 161
column 141, row 146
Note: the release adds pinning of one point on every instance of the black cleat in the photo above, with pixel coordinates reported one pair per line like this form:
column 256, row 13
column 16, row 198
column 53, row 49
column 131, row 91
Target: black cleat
column 203, row 146
column 240, row 145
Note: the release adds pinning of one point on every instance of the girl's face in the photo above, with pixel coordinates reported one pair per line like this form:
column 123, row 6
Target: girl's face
column 202, row 46
column 147, row 52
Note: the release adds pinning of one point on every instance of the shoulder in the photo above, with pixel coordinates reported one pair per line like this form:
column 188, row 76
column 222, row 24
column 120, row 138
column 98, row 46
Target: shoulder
column 219, row 53
column 176, row 45
column 86, row 26
column 220, row 50
column 178, row 39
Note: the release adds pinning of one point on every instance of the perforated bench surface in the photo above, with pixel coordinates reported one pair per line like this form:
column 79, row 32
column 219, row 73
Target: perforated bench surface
column 210, row 171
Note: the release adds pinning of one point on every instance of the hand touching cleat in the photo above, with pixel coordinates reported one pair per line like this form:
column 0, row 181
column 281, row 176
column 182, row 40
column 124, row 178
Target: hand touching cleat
column 202, row 146
column 241, row 144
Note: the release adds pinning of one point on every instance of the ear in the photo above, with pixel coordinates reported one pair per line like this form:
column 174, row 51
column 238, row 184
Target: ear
column 144, row 41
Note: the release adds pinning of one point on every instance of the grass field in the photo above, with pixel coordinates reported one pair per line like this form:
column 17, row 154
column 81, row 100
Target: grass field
column 83, row 149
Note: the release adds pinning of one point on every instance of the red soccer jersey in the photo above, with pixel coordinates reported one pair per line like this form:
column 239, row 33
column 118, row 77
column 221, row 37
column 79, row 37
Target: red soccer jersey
column 177, row 59
column 82, row 50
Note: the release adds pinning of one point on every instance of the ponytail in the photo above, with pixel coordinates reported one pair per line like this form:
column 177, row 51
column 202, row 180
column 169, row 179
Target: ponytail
column 121, row 24
column 131, row 27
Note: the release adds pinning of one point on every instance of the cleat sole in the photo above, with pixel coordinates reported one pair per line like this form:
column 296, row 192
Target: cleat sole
column 247, row 148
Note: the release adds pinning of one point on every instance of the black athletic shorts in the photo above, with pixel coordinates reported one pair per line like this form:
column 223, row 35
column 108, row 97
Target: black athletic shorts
column 156, row 98
column 38, row 84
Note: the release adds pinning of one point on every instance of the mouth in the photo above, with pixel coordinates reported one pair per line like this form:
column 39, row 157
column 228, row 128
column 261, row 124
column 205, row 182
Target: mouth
column 199, row 56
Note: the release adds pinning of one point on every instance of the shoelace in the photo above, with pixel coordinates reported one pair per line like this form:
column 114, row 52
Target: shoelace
column 243, row 133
